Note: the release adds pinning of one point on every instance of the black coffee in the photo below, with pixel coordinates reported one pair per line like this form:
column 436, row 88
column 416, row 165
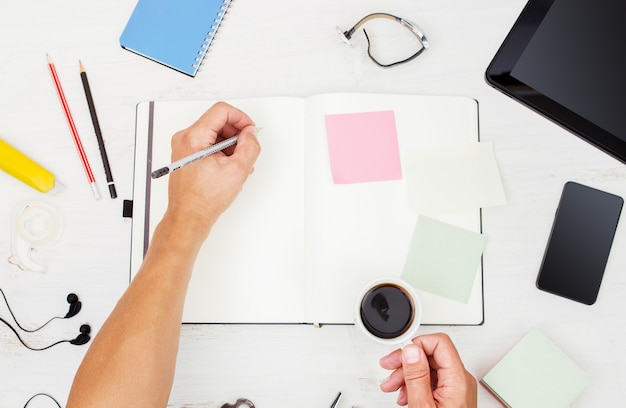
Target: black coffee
column 387, row 311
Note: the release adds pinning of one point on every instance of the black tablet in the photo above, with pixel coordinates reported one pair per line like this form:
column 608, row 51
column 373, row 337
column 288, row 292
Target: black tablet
column 566, row 59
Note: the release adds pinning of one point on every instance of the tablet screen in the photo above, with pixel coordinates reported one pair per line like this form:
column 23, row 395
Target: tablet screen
column 566, row 59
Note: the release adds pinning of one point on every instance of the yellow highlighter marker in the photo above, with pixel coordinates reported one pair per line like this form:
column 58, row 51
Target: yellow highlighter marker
column 26, row 170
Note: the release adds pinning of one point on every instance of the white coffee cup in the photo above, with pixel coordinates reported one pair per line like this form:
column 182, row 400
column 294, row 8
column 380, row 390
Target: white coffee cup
column 388, row 311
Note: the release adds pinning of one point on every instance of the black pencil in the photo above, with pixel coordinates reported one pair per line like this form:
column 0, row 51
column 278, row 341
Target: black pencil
column 96, row 127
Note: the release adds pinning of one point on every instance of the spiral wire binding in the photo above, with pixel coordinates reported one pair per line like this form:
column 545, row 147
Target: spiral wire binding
column 204, row 47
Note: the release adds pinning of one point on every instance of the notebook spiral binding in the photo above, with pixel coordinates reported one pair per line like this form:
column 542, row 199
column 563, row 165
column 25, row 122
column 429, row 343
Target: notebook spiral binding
column 204, row 47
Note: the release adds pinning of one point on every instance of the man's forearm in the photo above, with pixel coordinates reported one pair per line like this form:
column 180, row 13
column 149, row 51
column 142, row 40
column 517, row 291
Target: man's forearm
column 132, row 359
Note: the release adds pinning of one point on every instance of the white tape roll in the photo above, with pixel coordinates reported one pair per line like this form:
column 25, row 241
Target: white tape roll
column 35, row 224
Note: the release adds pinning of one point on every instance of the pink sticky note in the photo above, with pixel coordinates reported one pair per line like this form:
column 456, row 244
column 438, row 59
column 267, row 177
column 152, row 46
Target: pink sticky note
column 363, row 147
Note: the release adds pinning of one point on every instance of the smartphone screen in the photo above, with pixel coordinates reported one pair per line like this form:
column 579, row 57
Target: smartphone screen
column 580, row 242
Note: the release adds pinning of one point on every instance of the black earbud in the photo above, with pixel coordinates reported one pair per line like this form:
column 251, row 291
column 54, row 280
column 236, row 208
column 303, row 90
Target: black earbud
column 83, row 337
column 72, row 299
column 75, row 306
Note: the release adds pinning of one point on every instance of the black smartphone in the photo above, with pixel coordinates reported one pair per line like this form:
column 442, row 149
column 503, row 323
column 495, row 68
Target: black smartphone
column 580, row 242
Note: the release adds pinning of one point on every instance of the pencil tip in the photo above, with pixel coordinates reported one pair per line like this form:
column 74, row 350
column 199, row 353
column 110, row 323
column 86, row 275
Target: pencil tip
column 82, row 68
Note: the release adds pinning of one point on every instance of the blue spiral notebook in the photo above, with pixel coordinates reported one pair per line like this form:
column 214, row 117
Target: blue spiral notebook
column 175, row 33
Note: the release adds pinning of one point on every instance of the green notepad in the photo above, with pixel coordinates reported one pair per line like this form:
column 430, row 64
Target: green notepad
column 443, row 259
column 535, row 373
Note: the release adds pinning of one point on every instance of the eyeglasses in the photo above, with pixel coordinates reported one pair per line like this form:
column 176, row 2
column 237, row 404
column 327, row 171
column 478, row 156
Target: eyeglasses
column 414, row 28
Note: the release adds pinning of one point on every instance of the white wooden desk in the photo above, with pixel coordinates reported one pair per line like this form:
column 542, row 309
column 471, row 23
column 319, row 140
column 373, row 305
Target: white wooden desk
column 283, row 48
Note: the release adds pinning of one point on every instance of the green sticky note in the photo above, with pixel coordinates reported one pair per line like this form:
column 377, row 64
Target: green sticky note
column 536, row 373
column 443, row 259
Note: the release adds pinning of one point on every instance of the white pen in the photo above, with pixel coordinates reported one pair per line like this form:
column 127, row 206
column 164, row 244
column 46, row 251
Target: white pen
column 336, row 401
column 193, row 157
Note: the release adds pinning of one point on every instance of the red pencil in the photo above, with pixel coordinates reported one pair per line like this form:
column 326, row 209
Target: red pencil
column 70, row 121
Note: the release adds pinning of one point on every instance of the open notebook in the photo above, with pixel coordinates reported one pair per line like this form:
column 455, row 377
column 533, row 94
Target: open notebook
column 297, row 246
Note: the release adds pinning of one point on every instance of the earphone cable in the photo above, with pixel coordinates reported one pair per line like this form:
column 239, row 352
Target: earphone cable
column 24, row 343
column 41, row 394
column 18, row 323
